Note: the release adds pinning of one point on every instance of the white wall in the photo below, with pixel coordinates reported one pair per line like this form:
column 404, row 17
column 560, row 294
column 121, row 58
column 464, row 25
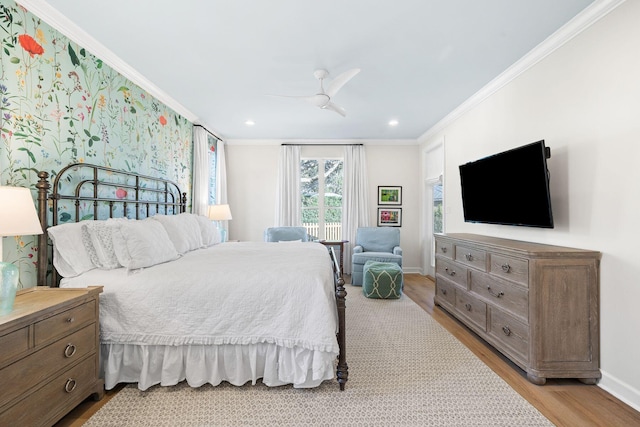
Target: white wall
column 584, row 101
column 252, row 173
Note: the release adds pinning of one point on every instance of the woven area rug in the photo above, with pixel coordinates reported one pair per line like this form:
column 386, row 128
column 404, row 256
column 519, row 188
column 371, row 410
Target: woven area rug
column 405, row 370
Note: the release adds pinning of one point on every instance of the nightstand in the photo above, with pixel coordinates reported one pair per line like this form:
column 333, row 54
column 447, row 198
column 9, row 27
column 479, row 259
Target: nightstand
column 49, row 354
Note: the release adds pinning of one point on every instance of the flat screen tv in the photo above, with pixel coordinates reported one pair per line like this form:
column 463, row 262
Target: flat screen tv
column 509, row 188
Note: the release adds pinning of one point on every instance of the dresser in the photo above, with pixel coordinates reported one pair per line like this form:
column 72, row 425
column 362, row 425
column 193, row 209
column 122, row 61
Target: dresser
column 537, row 304
column 49, row 353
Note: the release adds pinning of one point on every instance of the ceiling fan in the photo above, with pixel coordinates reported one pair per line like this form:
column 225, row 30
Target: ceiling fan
column 322, row 99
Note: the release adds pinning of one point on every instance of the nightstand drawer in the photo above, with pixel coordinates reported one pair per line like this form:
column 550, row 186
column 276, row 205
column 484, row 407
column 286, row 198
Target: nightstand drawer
column 38, row 408
column 472, row 257
column 63, row 323
column 13, row 344
column 30, row 370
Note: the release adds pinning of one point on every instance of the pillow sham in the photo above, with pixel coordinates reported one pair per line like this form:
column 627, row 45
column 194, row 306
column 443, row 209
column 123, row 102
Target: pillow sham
column 140, row 244
column 210, row 233
column 98, row 242
column 183, row 230
column 70, row 257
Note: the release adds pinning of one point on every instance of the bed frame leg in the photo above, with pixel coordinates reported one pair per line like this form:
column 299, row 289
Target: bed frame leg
column 342, row 372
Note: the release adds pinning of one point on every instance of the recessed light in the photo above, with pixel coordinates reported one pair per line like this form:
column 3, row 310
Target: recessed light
column 393, row 122
column 249, row 123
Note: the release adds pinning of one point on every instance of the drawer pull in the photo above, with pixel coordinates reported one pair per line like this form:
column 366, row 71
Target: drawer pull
column 70, row 385
column 443, row 249
column 71, row 319
column 467, row 306
column 493, row 294
column 450, row 272
column 506, row 330
column 506, row 268
column 70, row 350
column 468, row 257
column 444, row 291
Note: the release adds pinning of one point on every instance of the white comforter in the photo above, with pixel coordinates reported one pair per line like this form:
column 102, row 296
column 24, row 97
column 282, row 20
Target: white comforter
column 240, row 293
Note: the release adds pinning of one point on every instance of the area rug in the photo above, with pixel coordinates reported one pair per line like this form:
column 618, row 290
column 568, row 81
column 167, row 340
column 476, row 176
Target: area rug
column 404, row 370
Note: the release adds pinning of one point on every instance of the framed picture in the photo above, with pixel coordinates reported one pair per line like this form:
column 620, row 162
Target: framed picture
column 389, row 217
column 389, row 195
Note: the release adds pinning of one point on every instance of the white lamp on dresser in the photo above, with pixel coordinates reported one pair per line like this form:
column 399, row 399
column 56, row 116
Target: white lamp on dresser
column 220, row 213
column 18, row 217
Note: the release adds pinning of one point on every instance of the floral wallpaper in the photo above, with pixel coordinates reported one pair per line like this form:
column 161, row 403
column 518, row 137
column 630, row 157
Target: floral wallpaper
column 59, row 104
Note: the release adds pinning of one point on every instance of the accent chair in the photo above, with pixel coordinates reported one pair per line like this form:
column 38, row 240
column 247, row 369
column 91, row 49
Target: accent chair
column 285, row 234
column 377, row 244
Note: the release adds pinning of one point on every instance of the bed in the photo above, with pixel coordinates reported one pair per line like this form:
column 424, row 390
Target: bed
column 179, row 305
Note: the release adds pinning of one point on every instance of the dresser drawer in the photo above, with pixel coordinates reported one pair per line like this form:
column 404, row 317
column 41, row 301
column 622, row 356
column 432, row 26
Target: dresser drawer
column 508, row 296
column 514, row 269
column 13, row 344
column 446, row 292
column 476, row 258
column 444, row 248
column 510, row 332
column 40, row 408
column 473, row 309
column 30, row 370
column 65, row 322
column 454, row 272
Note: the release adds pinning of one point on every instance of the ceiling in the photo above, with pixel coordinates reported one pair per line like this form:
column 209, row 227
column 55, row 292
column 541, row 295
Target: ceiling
column 220, row 60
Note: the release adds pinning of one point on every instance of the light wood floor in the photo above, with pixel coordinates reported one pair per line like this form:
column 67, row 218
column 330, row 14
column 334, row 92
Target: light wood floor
column 565, row 402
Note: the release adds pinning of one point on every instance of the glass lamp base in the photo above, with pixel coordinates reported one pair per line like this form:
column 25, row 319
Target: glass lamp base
column 8, row 286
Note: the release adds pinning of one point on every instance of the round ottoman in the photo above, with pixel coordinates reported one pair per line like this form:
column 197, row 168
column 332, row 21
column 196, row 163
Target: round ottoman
column 382, row 280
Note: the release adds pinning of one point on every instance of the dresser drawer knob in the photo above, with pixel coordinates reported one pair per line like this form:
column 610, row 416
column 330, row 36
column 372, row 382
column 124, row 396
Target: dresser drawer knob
column 443, row 249
column 450, row 272
column 71, row 319
column 506, row 268
column 467, row 306
column 468, row 257
column 493, row 294
column 506, row 330
column 444, row 291
column 70, row 385
column 70, row 350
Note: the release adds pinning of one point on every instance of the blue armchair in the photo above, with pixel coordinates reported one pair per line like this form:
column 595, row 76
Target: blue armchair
column 285, row 234
column 377, row 244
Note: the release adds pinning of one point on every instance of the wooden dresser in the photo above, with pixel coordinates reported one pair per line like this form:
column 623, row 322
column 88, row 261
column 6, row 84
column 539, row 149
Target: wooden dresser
column 48, row 355
column 537, row 304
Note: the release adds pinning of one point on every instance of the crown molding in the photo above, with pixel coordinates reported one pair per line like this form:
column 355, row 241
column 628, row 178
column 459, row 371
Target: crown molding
column 590, row 15
column 61, row 23
column 394, row 142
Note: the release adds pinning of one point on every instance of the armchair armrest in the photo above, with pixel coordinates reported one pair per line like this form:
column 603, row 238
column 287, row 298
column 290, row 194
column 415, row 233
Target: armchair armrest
column 397, row 250
column 357, row 249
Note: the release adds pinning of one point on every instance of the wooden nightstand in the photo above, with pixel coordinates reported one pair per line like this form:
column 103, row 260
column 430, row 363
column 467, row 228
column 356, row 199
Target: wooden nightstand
column 49, row 355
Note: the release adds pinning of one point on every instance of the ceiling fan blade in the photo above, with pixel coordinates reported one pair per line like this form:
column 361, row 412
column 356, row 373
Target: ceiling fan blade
column 333, row 107
column 340, row 81
column 319, row 100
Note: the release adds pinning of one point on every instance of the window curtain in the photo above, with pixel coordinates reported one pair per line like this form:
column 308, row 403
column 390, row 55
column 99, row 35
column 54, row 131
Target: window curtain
column 200, row 196
column 221, row 182
column 288, row 205
column 355, row 209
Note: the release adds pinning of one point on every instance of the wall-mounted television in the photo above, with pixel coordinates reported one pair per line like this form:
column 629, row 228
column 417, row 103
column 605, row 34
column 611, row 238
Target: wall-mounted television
column 510, row 188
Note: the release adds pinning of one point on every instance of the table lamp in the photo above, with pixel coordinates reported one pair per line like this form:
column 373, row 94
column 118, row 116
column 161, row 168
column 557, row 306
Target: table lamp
column 220, row 213
column 18, row 217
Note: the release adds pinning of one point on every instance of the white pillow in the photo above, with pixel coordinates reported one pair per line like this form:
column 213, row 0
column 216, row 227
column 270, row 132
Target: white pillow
column 289, row 241
column 98, row 241
column 183, row 230
column 210, row 233
column 69, row 255
column 141, row 244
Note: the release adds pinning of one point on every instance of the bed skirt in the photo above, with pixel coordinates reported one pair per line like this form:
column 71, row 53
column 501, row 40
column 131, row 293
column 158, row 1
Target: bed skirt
column 149, row 365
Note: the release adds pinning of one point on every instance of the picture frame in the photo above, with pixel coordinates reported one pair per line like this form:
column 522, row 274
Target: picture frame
column 389, row 217
column 389, row 195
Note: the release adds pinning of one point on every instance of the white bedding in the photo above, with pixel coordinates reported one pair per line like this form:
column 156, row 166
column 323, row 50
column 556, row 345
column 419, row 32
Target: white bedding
column 233, row 312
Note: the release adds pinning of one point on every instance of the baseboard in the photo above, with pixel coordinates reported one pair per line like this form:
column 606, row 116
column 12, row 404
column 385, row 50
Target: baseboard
column 620, row 390
column 411, row 270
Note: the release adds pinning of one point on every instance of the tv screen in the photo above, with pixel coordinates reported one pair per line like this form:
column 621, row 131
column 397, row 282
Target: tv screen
column 509, row 188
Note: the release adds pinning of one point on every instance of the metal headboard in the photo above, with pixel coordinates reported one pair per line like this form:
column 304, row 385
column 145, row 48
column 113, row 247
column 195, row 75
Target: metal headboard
column 118, row 193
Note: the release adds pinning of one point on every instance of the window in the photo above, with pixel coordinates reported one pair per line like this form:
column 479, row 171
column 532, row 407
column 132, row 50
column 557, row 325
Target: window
column 322, row 198
column 213, row 164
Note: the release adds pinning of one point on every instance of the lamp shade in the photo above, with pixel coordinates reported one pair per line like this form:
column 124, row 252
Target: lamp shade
column 18, row 215
column 219, row 212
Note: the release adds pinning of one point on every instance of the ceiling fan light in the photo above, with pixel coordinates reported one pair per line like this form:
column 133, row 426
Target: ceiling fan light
column 393, row 122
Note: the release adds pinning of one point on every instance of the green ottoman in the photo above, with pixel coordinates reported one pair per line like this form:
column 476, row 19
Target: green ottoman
column 382, row 280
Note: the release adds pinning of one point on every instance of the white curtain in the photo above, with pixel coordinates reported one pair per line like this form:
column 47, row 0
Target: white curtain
column 200, row 196
column 288, row 205
column 355, row 209
column 221, row 182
